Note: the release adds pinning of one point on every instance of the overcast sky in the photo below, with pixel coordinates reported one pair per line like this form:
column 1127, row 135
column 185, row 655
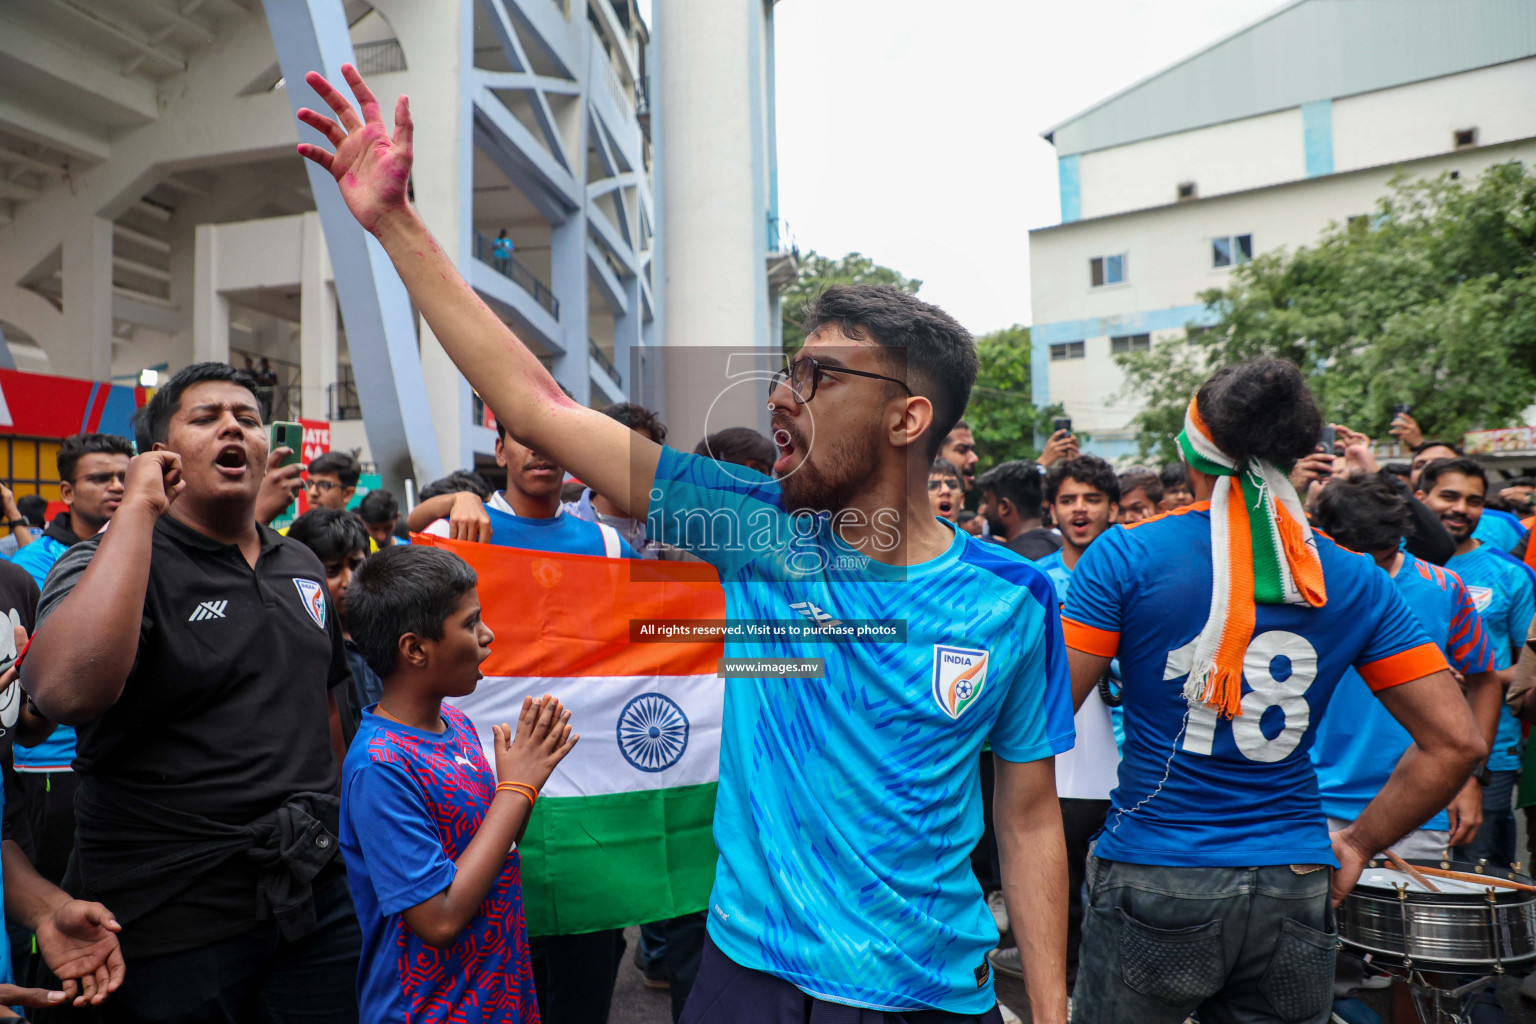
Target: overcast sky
column 909, row 130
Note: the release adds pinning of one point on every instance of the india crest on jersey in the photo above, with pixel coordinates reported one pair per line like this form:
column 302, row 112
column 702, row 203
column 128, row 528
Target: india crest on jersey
column 312, row 596
column 959, row 676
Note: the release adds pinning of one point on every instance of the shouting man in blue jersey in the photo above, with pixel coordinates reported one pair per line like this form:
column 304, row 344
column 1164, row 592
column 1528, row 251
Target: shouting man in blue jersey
column 1209, row 888
column 847, row 806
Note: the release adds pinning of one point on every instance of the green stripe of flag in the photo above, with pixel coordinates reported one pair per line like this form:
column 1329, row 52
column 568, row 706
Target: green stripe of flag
column 617, row 859
column 1268, row 583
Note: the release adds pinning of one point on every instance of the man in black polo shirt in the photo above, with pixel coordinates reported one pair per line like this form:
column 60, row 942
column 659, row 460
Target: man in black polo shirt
column 1012, row 501
column 194, row 651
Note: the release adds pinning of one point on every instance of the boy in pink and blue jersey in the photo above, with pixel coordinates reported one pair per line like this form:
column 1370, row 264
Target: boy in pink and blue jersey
column 426, row 825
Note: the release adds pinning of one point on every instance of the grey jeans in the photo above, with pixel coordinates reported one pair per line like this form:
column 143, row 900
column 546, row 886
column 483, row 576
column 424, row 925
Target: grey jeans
column 1238, row 945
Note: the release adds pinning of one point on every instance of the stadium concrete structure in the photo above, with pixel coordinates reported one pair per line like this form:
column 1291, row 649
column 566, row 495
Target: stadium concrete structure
column 153, row 211
column 1257, row 142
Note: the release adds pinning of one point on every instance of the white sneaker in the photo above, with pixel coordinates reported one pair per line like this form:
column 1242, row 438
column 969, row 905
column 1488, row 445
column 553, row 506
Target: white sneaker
column 1009, row 1017
column 999, row 911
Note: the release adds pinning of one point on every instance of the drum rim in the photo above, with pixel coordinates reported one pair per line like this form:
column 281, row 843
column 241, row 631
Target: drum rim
column 1393, row 958
column 1501, row 897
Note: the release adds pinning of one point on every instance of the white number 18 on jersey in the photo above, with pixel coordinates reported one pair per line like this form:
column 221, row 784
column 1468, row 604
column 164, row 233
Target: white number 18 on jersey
column 1268, row 691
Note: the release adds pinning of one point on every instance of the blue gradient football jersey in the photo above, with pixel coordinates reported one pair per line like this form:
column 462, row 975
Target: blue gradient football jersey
column 1197, row 789
column 848, row 806
column 1359, row 742
column 1056, row 569
column 1499, row 528
column 1501, row 589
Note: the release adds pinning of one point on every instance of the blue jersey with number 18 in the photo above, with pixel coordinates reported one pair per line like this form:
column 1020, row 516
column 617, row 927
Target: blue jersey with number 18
column 1195, row 789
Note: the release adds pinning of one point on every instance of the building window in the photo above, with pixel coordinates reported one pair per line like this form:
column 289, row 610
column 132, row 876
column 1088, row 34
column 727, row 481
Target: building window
column 1230, row 250
column 1465, row 137
column 1186, row 190
column 1067, row 350
column 1125, row 344
column 29, row 465
column 1104, row 270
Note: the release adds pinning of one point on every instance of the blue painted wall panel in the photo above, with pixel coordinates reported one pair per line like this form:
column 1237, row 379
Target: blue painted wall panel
column 1317, row 135
column 1043, row 336
column 1039, row 368
column 1071, row 189
column 1109, row 450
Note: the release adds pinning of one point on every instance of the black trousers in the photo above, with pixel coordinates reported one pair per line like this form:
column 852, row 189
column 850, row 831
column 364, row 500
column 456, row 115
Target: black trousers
column 728, row 993
column 573, row 975
column 40, row 818
column 1081, row 821
column 254, row 977
column 48, row 801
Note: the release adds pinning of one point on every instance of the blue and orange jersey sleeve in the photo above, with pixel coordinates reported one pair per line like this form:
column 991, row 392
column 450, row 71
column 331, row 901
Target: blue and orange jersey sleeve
column 1091, row 620
column 1398, row 650
column 1467, row 645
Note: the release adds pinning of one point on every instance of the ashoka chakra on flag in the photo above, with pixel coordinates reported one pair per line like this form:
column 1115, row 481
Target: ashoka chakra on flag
column 653, row 732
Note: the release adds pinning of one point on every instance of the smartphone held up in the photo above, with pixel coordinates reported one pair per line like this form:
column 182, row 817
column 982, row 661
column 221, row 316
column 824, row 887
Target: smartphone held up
column 290, row 435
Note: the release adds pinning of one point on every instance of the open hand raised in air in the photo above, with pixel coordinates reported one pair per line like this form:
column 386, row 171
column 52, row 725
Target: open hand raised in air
column 371, row 165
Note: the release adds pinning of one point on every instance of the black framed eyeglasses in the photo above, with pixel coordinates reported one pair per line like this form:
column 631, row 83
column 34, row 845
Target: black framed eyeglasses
column 803, row 375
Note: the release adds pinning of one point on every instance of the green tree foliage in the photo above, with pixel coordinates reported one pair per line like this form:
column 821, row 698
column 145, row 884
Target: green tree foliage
column 818, row 272
column 1431, row 302
column 1002, row 414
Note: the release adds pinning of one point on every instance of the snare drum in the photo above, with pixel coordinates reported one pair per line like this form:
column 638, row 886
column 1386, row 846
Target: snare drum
column 1467, row 926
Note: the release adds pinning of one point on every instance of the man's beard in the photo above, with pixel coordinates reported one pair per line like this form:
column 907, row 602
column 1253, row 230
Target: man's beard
column 1460, row 531
column 841, row 470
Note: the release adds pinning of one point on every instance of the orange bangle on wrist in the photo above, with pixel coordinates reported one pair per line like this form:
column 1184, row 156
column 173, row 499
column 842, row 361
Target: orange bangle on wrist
column 522, row 788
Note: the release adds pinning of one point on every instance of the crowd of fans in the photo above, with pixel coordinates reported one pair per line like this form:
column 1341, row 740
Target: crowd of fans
column 1210, row 694
column 240, row 713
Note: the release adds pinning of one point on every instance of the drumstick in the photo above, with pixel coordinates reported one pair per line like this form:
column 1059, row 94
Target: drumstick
column 1411, row 871
column 1466, row 876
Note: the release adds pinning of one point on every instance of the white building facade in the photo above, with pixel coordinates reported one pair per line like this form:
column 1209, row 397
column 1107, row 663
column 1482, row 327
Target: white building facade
column 1256, row 143
column 153, row 211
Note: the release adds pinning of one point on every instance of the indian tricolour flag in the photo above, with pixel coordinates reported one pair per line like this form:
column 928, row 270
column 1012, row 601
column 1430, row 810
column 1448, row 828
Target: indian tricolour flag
column 621, row 833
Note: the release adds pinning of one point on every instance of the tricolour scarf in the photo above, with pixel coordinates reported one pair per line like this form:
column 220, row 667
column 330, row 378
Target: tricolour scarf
column 1262, row 552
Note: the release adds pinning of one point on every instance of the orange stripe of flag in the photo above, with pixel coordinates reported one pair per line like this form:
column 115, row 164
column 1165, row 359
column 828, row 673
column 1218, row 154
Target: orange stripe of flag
column 558, row 615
